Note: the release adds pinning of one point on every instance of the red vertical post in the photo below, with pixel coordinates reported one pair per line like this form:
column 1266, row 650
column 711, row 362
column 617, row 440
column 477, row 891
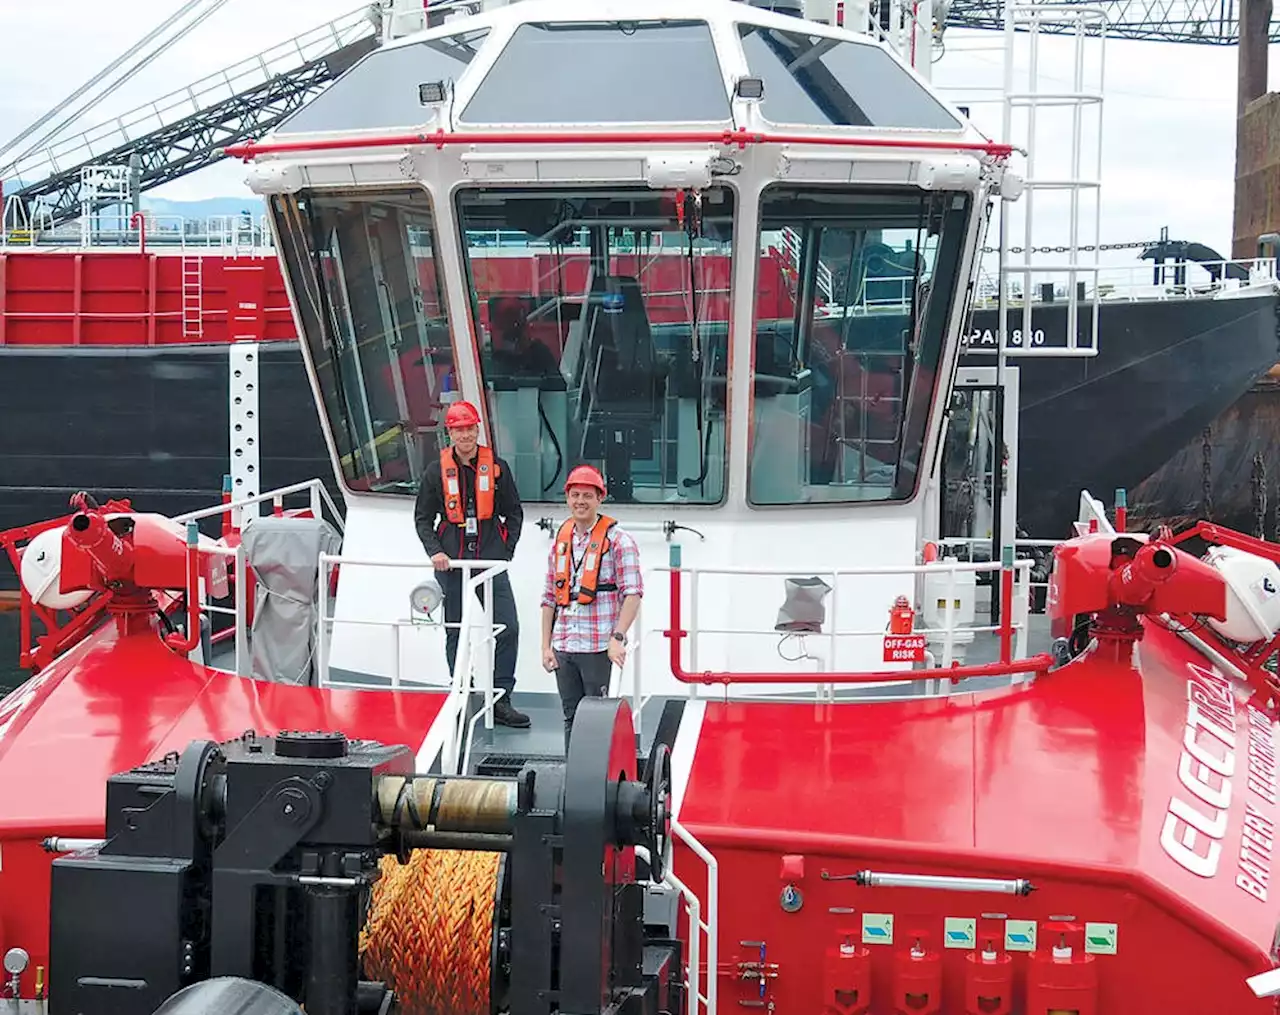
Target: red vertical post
column 4, row 291
column 77, row 299
column 1006, row 605
column 1122, row 510
column 227, row 527
column 153, row 282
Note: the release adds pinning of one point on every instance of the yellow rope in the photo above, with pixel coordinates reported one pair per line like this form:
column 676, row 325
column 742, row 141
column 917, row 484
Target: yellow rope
column 430, row 931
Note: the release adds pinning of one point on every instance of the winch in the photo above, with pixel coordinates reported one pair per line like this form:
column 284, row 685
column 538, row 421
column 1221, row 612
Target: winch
column 309, row 871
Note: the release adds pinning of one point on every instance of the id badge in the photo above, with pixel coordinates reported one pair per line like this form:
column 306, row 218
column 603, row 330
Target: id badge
column 472, row 527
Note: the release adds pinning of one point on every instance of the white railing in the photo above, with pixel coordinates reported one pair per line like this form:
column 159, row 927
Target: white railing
column 792, row 249
column 696, row 998
column 229, row 235
column 1137, row 283
column 450, row 731
column 946, row 634
column 319, row 498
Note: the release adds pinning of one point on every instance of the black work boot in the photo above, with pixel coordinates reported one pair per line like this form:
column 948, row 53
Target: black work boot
column 504, row 714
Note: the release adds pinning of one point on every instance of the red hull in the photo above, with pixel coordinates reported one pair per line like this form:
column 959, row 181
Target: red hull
column 57, row 299
column 129, row 299
column 111, row 704
column 1067, row 782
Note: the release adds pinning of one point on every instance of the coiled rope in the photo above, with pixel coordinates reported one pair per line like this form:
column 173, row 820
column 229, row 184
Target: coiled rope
column 430, row 929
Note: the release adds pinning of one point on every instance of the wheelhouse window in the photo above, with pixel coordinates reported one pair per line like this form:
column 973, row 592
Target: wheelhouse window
column 852, row 301
column 604, row 72
column 381, row 91
column 364, row 274
column 602, row 319
column 813, row 79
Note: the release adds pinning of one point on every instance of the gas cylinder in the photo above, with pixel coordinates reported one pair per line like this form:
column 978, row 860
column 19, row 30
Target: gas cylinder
column 1063, row 978
column 988, row 982
column 917, row 979
column 902, row 617
column 847, row 990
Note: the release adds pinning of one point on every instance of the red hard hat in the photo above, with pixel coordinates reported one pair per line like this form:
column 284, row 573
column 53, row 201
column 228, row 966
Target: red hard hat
column 586, row 475
column 461, row 414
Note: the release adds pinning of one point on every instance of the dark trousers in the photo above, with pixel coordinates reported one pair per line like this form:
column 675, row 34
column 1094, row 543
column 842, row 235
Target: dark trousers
column 504, row 612
column 579, row 674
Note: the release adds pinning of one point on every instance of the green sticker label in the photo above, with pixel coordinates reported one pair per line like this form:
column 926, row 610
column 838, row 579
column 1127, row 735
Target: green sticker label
column 1100, row 938
column 960, row 932
column 1019, row 935
column 877, row 928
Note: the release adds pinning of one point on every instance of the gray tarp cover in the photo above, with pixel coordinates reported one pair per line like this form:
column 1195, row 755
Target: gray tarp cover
column 284, row 555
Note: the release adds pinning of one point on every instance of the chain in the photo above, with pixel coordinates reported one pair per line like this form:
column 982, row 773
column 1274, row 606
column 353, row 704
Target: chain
column 1063, row 249
column 1206, row 450
column 1276, row 520
column 1258, row 481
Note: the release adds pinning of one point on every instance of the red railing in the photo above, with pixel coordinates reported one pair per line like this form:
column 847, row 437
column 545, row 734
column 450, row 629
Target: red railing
column 728, row 138
column 1005, row 667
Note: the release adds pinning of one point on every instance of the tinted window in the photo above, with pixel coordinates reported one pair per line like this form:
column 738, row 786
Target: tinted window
column 816, row 80
column 611, row 72
column 852, row 299
column 363, row 272
column 602, row 317
column 382, row 89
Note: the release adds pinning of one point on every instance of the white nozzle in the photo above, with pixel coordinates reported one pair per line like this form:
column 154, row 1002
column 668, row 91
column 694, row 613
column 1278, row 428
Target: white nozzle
column 1265, row 984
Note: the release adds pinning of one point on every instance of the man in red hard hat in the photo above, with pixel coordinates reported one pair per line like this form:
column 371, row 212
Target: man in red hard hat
column 592, row 594
column 468, row 508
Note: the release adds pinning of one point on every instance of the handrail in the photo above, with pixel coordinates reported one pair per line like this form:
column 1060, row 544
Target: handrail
column 712, row 923
column 236, row 507
column 460, row 685
column 1037, row 664
column 739, row 138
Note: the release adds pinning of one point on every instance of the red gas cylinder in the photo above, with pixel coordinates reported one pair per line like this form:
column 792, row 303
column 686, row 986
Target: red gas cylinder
column 902, row 617
column 917, row 979
column 847, row 990
column 1062, row 977
column 988, row 982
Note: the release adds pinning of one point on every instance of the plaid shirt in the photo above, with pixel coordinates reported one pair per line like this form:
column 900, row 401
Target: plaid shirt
column 587, row 628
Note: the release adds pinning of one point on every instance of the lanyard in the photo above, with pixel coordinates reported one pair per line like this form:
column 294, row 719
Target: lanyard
column 576, row 565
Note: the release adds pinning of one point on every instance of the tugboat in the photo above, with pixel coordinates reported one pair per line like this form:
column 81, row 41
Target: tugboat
column 905, row 812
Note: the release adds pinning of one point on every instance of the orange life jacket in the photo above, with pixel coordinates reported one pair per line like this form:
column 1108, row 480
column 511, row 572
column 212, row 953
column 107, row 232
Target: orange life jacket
column 487, row 472
column 592, row 557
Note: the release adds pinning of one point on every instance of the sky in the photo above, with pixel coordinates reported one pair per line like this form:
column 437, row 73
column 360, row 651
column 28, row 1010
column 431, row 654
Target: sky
column 1168, row 116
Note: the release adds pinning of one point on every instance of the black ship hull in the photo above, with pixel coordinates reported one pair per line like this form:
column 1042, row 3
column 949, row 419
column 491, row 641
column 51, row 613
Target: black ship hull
column 153, row 423
column 1164, row 371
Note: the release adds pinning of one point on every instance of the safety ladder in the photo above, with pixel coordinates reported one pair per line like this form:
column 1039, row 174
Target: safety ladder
column 192, row 296
column 1032, row 117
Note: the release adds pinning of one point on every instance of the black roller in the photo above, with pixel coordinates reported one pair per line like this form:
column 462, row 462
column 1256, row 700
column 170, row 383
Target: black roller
column 229, row 995
column 311, row 744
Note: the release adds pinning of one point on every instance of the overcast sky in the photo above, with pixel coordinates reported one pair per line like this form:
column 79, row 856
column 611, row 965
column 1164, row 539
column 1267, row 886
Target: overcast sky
column 1169, row 116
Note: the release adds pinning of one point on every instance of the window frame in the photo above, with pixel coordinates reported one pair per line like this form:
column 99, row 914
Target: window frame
column 956, row 294
column 335, row 429
column 472, row 322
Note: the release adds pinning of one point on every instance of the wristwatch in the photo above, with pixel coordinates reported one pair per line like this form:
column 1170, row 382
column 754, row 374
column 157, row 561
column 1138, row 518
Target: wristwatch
column 619, row 636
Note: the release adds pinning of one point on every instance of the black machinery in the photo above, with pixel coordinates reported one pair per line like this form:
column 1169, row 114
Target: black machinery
column 238, row 877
